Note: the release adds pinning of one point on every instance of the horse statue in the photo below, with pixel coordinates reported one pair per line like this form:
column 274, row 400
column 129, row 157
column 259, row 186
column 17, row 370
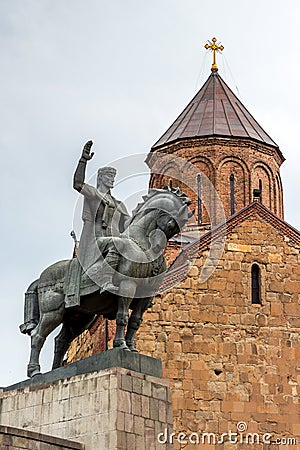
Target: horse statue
column 140, row 271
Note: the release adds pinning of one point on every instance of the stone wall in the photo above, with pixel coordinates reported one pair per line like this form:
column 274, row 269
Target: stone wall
column 13, row 438
column 229, row 360
column 114, row 409
column 93, row 340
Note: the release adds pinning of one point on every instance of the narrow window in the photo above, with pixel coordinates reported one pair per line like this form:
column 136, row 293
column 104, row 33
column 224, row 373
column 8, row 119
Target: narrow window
column 255, row 285
column 232, row 208
column 199, row 199
column 260, row 188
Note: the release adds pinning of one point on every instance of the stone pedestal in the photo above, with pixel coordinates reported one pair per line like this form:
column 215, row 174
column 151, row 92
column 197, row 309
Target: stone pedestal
column 13, row 438
column 109, row 408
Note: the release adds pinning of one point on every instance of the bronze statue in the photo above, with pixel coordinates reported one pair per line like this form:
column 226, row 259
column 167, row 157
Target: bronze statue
column 133, row 258
column 102, row 215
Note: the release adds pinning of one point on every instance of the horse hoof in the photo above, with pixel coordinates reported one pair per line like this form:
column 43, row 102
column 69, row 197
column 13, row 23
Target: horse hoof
column 132, row 348
column 124, row 347
column 120, row 344
column 33, row 370
column 35, row 373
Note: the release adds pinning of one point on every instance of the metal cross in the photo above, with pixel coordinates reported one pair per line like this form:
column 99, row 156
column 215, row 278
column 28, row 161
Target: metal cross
column 214, row 48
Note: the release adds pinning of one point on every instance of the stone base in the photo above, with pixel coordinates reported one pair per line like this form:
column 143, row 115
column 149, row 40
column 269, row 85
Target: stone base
column 115, row 357
column 110, row 409
column 14, row 438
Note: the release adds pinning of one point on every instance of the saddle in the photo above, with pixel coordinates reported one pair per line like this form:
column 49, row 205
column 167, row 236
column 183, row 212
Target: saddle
column 77, row 284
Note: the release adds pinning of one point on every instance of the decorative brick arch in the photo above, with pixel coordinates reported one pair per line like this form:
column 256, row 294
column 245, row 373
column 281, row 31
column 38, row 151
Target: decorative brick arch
column 279, row 196
column 206, row 166
column 261, row 171
column 153, row 180
column 206, row 181
column 233, row 183
column 170, row 171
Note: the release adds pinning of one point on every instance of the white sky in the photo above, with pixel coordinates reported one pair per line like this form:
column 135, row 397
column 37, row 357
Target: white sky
column 119, row 73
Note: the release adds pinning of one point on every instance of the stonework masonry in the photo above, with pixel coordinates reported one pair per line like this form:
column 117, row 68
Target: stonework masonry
column 92, row 341
column 228, row 360
column 13, row 438
column 113, row 409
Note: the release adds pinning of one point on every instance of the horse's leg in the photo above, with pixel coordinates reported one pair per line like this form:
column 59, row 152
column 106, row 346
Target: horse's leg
column 128, row 289
column 62, row 342
column 47, row 323
column 31, row 309
column 69, row 331
column 135, row 321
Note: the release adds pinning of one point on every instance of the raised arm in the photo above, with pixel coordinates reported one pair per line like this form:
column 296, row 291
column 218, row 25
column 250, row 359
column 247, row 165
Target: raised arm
column 79, row 174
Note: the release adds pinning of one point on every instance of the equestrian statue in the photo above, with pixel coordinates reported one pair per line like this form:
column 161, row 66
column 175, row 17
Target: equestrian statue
column 118, row 269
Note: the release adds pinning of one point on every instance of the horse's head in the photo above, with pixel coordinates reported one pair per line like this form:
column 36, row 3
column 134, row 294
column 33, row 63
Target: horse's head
column 170, row 206
column 172, row 220
column 171, row 225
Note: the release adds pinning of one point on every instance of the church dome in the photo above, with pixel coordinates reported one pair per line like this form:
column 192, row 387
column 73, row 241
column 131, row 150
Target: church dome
column 217, row 134
column 215, row 111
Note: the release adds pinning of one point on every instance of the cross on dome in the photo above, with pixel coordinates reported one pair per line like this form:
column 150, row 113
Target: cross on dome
column 214, row 47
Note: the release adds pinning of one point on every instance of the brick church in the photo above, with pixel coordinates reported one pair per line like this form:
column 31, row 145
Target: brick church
column 229, row 342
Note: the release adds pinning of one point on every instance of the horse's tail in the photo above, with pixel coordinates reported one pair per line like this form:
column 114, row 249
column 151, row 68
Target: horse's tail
column 31, row 309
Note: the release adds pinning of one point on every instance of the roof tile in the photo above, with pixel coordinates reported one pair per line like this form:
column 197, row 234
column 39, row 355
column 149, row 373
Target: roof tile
column 215, row 111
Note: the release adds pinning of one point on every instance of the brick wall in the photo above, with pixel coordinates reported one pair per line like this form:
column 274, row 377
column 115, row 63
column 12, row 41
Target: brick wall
column 93, row 340
column 228, row 360
column 218, row 158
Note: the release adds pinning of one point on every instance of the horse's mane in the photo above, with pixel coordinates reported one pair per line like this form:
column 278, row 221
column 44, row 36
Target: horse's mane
column 154, row 192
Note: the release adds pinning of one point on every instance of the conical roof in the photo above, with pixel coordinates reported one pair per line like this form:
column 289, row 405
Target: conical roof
column 215, row 111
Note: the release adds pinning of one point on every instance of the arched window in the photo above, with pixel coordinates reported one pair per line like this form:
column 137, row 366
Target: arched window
column 232, row 207
column 255, row 285
column 199, row 198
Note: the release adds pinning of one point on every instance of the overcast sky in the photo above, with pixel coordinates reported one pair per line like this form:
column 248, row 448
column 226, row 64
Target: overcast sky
column 118, row 72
